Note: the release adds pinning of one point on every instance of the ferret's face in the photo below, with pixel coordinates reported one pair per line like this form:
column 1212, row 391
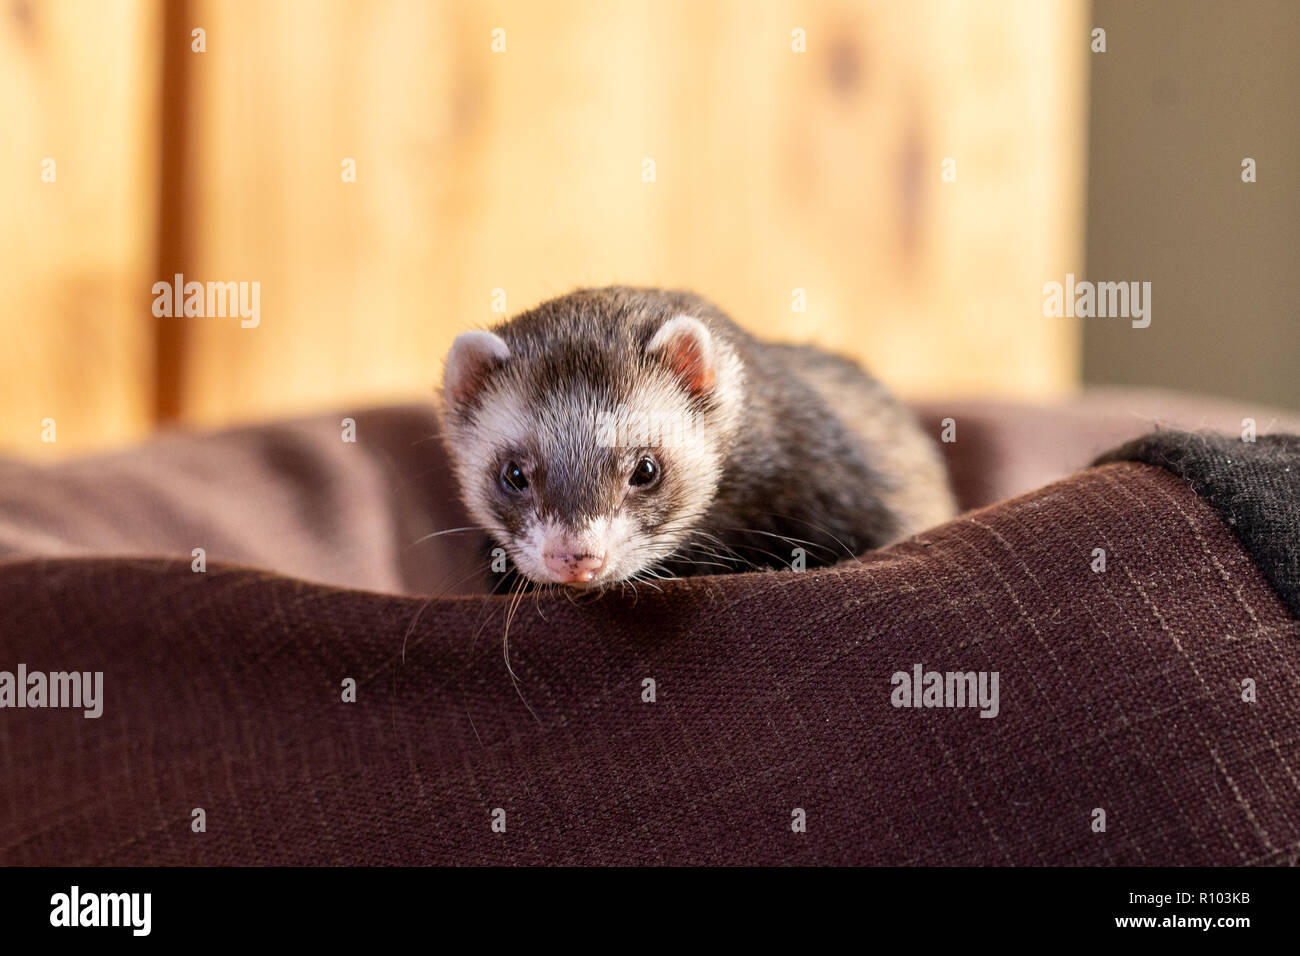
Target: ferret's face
column 586, row 473
column 578, row 497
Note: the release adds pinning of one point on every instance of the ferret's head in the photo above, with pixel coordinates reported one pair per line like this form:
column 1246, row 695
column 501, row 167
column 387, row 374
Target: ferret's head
column 589, row 434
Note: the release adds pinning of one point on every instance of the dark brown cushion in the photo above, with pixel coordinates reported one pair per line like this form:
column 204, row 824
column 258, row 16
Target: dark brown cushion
column 1119, row 690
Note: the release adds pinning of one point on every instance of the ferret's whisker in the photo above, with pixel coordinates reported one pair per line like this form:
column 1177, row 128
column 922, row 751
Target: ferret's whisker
column 816, row 527
column 485, row 608
column 516, row 597
column 438, row 534
column 781, row 537
column 438, row 592
column 781, row 560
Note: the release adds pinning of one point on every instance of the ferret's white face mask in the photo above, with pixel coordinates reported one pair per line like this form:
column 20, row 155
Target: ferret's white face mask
column 586, row 482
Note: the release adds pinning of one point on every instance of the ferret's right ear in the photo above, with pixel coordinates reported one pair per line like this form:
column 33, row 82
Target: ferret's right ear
column 685, row 344
column 472, row 358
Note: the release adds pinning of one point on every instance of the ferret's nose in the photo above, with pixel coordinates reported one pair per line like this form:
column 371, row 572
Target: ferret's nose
column 574, row 568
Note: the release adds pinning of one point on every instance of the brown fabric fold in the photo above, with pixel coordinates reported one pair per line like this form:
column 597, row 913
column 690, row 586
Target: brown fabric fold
column 1119, row 690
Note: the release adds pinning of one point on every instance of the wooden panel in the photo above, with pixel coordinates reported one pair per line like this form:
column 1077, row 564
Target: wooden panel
column 522, row 171
column 79, row 86
column 824, row 172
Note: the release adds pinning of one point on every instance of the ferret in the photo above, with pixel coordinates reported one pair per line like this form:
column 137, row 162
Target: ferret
column 625, row 434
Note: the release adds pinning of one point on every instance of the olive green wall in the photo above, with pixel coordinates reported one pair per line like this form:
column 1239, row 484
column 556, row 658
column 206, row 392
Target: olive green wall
column 1183, row 93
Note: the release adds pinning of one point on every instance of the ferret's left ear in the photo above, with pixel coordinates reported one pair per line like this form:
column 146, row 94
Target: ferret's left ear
column 472, row 358
column 687, row 346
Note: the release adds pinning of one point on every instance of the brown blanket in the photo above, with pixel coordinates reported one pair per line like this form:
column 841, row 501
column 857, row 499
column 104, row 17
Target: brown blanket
column 1119, row 690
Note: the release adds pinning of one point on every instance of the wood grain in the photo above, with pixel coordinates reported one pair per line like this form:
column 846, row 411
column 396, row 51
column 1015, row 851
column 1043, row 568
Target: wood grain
column 522, row 171
column 80, row 85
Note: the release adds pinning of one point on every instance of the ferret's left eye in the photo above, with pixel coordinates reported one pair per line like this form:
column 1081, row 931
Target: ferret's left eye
column 512, row 478
column 645, row 474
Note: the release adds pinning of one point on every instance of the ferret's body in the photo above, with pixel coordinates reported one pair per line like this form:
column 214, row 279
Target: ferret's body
column 843, row 463
column 617, row 433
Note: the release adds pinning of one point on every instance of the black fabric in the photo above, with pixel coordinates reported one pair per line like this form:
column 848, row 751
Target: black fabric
column 1253, row 485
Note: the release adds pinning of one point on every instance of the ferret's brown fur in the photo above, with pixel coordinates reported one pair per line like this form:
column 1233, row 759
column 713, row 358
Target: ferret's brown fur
column 795, row 447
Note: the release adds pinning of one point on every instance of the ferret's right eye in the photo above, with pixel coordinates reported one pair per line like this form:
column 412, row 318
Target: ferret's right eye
column 512, row 478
